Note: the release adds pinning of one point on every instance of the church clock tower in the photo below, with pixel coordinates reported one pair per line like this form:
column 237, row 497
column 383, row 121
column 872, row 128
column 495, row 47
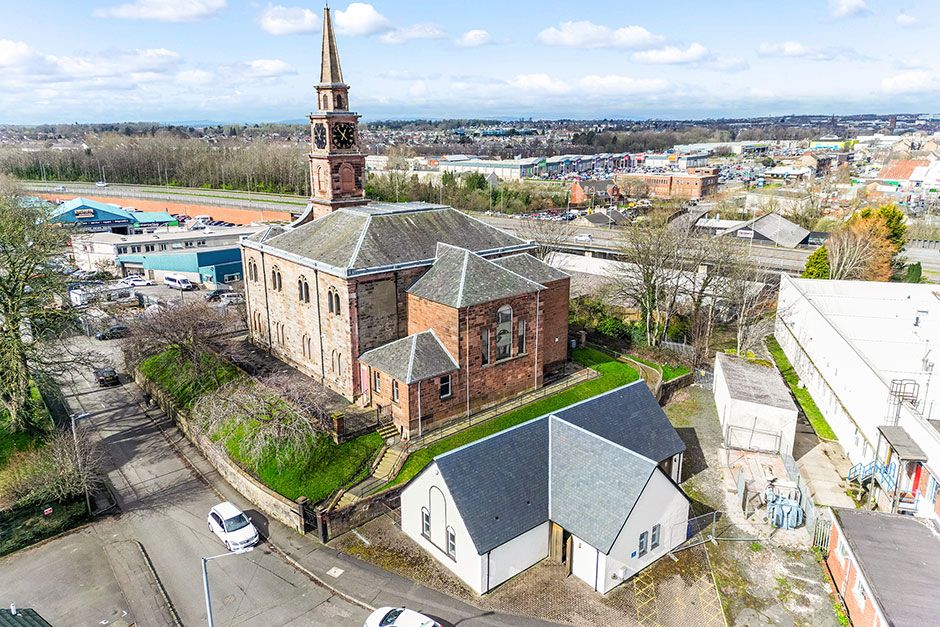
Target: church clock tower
column 337, row 166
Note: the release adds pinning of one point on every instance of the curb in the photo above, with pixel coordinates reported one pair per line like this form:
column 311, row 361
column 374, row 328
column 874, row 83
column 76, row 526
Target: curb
column 156, row 578
column 346, row 597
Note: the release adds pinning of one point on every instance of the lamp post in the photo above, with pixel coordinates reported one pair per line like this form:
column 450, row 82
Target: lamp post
column 205, row 579
column 78, row 458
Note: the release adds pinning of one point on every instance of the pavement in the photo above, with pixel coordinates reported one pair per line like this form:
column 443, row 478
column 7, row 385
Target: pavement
column 165, row 488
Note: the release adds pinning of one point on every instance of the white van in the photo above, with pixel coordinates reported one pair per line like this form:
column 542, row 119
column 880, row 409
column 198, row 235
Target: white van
column 178, row 282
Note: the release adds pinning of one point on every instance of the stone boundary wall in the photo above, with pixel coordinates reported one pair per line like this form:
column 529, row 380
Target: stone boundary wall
column 270, row 502
column 336, row 522
column 668, row 388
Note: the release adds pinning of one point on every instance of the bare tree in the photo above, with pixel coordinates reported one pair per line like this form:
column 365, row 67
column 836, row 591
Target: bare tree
column 747, row 298
column 192, row 329
column 547, row 235
column 650, row 278
column 275, row 416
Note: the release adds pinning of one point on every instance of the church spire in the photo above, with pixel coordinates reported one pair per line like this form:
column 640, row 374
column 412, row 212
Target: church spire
column 330, row 72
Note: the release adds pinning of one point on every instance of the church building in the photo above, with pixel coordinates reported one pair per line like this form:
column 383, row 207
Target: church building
column 414, row 308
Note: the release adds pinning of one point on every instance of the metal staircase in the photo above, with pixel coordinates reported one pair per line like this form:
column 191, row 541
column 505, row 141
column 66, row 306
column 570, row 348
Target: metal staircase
column 885, row 474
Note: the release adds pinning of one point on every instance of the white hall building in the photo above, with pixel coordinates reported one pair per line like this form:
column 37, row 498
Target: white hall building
column 866, row 352
column 592, row 486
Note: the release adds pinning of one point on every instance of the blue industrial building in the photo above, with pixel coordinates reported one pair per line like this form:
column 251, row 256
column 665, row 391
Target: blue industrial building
column 222, row 264
column 93, row 216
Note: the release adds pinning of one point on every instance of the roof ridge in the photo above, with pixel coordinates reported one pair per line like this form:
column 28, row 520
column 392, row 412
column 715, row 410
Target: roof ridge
column 362, row 238
column 463, row 277
column 411, row 357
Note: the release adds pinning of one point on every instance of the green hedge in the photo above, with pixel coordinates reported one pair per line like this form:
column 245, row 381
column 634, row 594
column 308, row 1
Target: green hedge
column 613, row 374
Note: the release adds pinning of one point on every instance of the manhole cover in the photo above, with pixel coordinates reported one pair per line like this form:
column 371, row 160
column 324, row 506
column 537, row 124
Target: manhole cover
column 335, row 572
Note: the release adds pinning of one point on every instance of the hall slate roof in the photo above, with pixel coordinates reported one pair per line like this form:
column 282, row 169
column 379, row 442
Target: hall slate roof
column 460, row 278
column 413, row 358
column 561, row 467
column 377, row 236
column 531, row 268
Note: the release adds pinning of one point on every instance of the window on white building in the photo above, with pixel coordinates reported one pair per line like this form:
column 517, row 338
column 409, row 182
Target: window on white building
column 641, row 549
column 654, row 537
column 425, row 523
column 451, row 543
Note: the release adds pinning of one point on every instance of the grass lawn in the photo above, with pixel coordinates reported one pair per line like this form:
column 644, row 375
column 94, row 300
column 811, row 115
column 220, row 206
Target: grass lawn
column 26, row 525
column 815, row 417
column 183, row 381
column 321, row 470
column 613, row 374
column 671, row 372
column 10, row 443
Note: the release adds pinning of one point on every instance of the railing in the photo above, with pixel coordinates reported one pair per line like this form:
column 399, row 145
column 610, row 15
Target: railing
column 885, row 474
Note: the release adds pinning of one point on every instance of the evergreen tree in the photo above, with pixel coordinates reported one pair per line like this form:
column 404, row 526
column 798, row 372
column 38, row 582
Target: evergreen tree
column 817, row 265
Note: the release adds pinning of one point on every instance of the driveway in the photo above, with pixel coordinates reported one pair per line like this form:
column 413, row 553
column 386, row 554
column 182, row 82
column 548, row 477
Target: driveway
column 164, row 504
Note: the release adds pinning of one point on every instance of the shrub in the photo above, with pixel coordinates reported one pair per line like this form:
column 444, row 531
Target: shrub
column 614, row 327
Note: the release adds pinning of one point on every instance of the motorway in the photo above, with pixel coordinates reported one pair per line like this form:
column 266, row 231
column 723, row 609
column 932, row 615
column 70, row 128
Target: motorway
column 603, row 241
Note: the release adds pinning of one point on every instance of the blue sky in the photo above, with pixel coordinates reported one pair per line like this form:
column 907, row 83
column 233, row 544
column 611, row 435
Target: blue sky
column 231, row 60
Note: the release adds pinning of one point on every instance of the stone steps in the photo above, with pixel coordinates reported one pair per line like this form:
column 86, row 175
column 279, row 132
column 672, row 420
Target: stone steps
column 348, row 498
column 387, row 463
column 388, row 431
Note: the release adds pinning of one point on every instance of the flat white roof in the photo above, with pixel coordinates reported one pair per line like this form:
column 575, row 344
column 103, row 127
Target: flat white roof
column 878, row 319
column 168, row 234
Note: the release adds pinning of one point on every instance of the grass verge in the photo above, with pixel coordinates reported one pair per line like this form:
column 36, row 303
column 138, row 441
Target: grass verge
column 23, row 526
column 613, row 374
column 184, row 381
column 815, row 417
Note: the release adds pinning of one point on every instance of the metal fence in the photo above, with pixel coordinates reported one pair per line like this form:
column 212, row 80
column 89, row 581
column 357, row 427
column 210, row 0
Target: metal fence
column 813, row 513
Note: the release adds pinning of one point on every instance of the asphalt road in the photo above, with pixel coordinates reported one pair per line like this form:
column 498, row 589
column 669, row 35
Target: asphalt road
column 164, row 506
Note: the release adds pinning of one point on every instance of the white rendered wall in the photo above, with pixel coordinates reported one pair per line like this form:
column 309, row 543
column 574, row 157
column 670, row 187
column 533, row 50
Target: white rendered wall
column 513, row 557
column 660, row 503
column 585, row 560
column 429, row 490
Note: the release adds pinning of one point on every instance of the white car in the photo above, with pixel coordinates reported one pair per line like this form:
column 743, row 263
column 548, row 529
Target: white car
column 136, row 281
column 101, row 184
column 232, row 527
column 231, row 298
column 583, row 238
column 59, row 188
column 399, row 617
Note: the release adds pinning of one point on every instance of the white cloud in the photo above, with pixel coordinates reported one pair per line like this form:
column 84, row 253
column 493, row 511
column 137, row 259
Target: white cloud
column 268, row 68
column 729, row 64
column 905, row 19
column 13, row 52
column 911, row 82
column 359, row 19
column 614, row 84
column 848, row 8
column 163, row 10
column 539, row 83
column 584, row 34
column 671, row 55
column 795, row 49
column 473, row 38
column 195, row 77
column 281, row 20
column 415, row 31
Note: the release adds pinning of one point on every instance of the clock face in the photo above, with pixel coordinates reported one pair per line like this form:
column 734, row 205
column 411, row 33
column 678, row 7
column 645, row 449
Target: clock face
column 319, row 136
column 344, row 135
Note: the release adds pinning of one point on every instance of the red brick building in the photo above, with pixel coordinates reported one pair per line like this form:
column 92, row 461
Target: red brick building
column 884, row 566
column 674, row 184
column 602, row 193
column 398, row 305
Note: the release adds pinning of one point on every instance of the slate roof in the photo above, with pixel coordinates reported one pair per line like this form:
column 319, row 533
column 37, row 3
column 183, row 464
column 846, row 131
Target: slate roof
column 899, row 557
column 459, row 278
column 510, row 482
column 25, row 617
column 531, row 268
column 628, row 416
column 593, row 483
column 755, row 383
column 413, row 358
column 608, row 218
column 357, row 240
column 500, row 483
column 266, row 233
column 598, row 187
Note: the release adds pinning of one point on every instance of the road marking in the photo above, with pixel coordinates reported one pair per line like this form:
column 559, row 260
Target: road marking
column 335, row 572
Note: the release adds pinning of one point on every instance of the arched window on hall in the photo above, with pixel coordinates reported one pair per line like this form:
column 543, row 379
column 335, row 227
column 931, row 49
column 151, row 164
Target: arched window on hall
column 326, row 102
column 303, row 290
column 336, row 308
column 329, row 300
column 276, row 283
column 504, row 332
